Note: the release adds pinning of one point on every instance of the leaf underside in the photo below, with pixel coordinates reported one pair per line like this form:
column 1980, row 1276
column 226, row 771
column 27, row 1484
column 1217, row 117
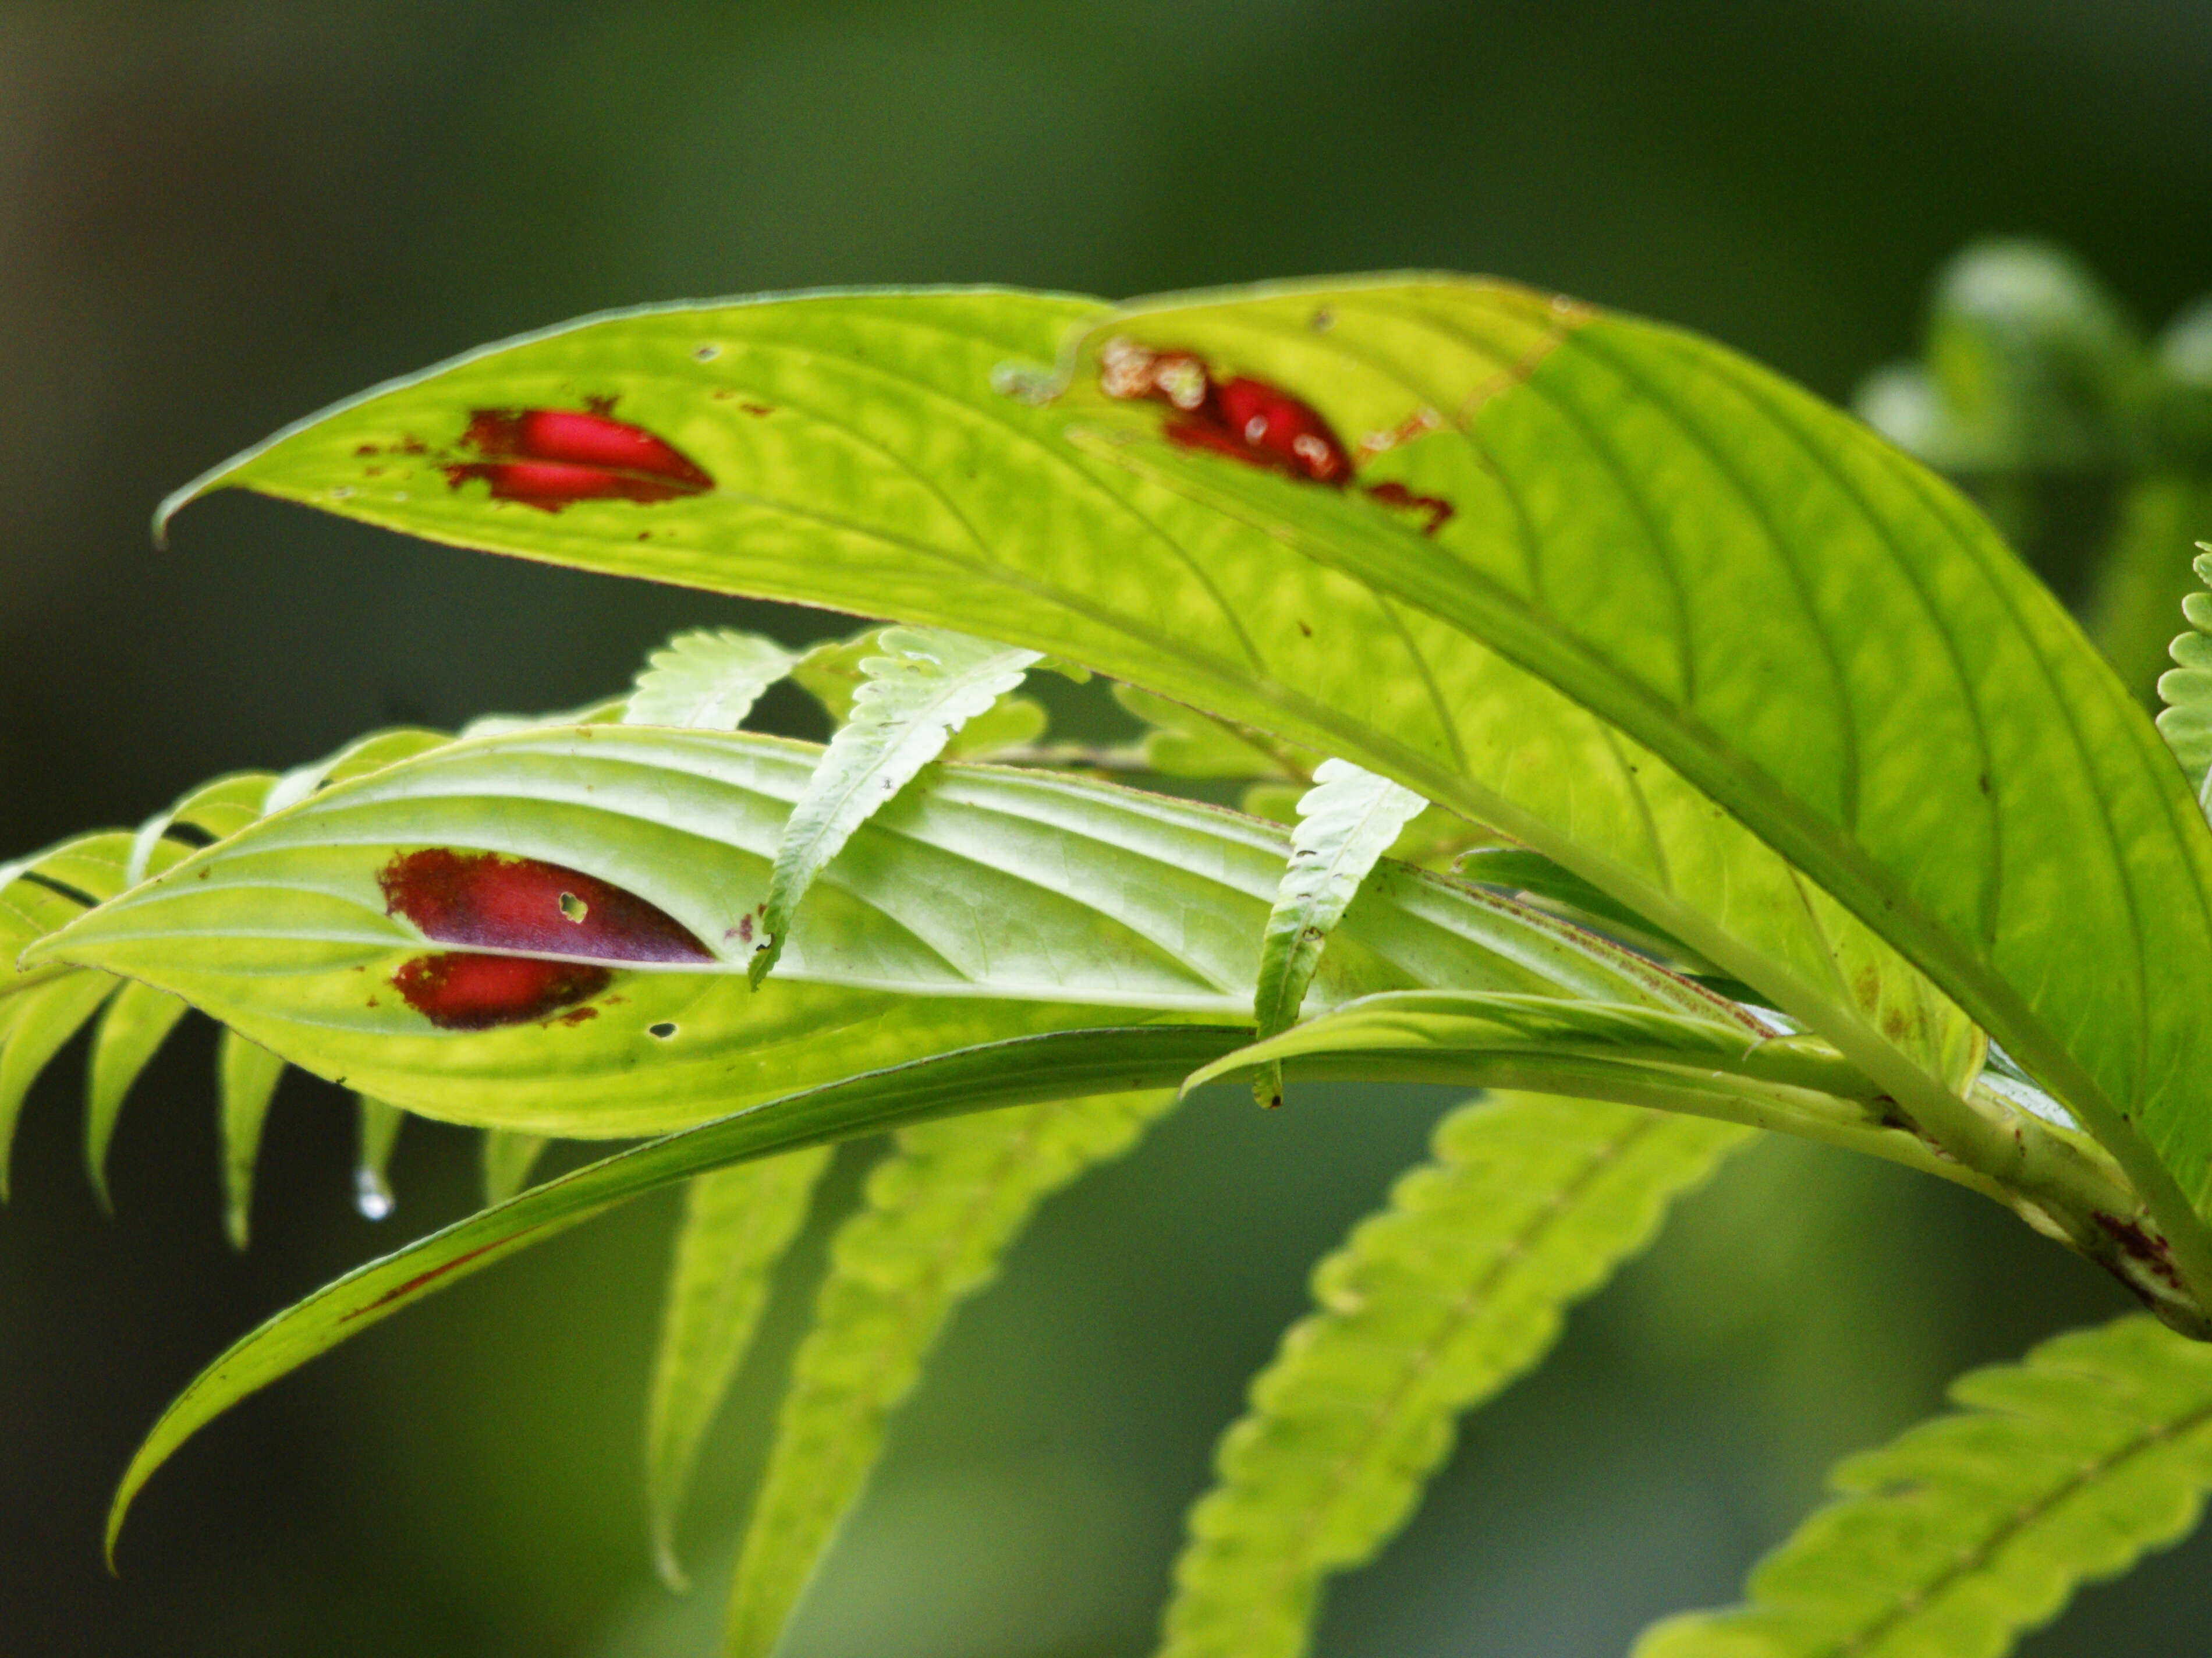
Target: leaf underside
column 1432, row 1306
column 1952, row 1541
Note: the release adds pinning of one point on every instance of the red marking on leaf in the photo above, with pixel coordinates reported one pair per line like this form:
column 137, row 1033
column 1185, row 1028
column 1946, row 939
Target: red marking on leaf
column 1394, row 494
column 574, row 1019
column 491, row 902
column 457, row 991
column 421, row 1279
column 368, row 449
column 756, row 409
column 550, row 459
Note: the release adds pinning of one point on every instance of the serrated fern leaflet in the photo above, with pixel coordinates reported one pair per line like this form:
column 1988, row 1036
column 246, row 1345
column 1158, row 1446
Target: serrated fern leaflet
column 1430, row 1306
column 706, row 681
column 2186, row 689
column 737, row 1224
column 926, row 685
column 1345, row 823
column 941, row 1211
column 1973, row 1528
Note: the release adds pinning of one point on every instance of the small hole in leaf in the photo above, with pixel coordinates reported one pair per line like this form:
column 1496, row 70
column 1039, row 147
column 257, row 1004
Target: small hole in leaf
column 573, row 907
column 664, row 1030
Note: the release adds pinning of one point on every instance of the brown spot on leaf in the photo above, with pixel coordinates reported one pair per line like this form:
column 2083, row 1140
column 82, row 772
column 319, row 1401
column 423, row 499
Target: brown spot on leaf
column 460, row 992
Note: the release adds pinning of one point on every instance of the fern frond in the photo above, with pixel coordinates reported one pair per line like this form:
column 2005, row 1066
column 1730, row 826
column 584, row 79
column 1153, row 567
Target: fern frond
column 1973, row 1528
column 1347, row 822
column 131, row 1030
column 379, row 1125
column 707, row 680
column 2186, row 689
column 248, row 1074
column 737, row 1222
column 1430, row 1306
column 941, row 1211
column 46, row 1018
column 926, row 685
column 509, row 1156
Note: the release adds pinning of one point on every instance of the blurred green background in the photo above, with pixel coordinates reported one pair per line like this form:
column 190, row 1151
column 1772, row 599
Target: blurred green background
column 214, row 218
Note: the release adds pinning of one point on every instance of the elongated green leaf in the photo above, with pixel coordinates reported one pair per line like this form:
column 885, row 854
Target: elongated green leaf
column 980, row 905
column 377, row 1125
column 1678, row 608
column 1973, row 1528
column 941, row 1213
column 509, row 1156
column 131, row 1029
column 926, row 685
column 248, row 1074
column 707, row 680
column 1430, row 1307
column 1184, row 743
column 41, row 1020
column 1062, row 1066
column 2186, row 689
column 1346, row 824
column 737, row 1222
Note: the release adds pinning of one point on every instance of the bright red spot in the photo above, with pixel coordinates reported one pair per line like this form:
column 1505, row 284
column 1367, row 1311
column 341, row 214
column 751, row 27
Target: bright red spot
column 458, row 992
column 1254, row 422
column 548, row 458
column 1246, row 419
column 492, row 902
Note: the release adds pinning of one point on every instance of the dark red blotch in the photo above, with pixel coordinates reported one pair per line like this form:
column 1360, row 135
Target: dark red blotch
column 495, row 903
column 1247, row 419
column 549, row 457
column 457, row 991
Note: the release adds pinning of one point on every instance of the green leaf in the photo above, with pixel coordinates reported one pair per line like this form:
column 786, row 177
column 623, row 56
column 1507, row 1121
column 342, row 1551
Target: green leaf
column 379, row 1124
column 926, row 685
column 1976, row 1527
column 248, row 1074
column 706, row 680
column 1066, row 1064
column 1680, row 610
column 509, row 1156
column 1012, row 722
column 941, row 1212
column 2186, row 724
column 738, row 1223
column 1184, row 742
column 1430, row 1307
column 1345, row 823
column 982, row 904
column 38, row 1021
column 830, row 673
column 131, row 1029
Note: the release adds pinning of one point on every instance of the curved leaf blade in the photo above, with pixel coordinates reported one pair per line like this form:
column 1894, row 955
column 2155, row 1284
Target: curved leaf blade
column 926, row 685
column 738, row 1223
column 1460, row 1286
column 507, row 1155
column 37, row 1024
column 1674, row 596
column 941, row 1212
column 977, row 1079
column 247, row 1074
column 131, row 1030
column 2063, row 1468
column 378, row 1123
column 981, row 904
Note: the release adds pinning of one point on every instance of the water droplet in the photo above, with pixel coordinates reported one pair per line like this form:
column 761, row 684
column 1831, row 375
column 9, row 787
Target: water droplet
column 707, row 353
column 371, row 1195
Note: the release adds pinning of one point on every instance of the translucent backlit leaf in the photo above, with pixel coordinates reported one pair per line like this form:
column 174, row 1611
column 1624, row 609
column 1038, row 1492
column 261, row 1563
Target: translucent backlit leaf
column 1430, row 1307
column 131, row 1029
column 247, row 1074
column 941, row 1212
column 1954, row 1539
column 737, row 1224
